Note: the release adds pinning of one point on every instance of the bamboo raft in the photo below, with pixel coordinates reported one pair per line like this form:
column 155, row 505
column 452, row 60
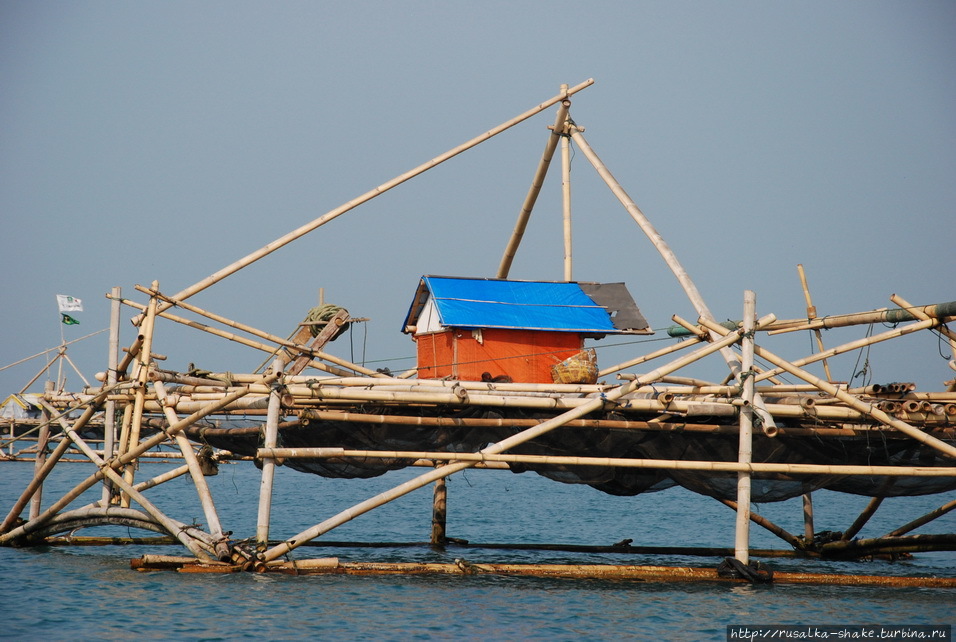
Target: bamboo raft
column 747, row 438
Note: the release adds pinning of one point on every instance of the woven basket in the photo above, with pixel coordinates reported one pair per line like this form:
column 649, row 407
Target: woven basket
column 580, row 368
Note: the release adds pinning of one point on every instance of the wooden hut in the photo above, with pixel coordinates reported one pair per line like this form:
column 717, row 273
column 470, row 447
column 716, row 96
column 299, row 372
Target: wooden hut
column 497, row 329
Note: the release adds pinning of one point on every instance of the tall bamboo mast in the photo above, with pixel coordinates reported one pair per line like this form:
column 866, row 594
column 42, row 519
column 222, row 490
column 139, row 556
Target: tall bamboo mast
column 525, row 214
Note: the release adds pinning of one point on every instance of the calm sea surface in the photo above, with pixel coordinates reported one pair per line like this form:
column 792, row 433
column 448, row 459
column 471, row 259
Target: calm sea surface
column 91, row 593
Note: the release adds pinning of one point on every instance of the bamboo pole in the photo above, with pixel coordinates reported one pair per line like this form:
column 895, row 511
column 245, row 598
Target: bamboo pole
column 918, row 312
column 862, row 518
column 109, row 425
column 142, row 376
column 925, row 519
column 536, row 183
column 613, row 462
column 566, row 201
column 439, row 513
column 42, row 441
column 195, row 471
column 765, row 523
column 381, row 189
column 506, row 444
column 653, row 355
column 268, row 464
column 846, row 398
column 941, row 311
column 811, row 315
column 745, row 450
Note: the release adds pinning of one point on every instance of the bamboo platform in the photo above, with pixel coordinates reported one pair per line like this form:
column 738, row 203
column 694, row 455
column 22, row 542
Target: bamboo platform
column 635, row 428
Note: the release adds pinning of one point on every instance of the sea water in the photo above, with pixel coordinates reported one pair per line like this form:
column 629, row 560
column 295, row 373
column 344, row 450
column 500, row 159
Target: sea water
column 60, row 593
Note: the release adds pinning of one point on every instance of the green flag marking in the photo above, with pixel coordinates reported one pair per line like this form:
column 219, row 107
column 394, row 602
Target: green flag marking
column 68, row 320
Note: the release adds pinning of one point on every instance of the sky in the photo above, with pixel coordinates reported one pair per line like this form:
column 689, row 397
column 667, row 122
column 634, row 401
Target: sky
column 163, row 141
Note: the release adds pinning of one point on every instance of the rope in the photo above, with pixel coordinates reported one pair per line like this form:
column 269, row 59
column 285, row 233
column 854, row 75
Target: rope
column 322, row 314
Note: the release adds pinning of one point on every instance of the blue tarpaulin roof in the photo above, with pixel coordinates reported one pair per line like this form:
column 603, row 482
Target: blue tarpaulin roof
column 496, row 303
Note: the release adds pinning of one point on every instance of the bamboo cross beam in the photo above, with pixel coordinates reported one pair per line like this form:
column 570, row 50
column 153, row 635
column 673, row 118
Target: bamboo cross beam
column 612, row 462
column 381, row 189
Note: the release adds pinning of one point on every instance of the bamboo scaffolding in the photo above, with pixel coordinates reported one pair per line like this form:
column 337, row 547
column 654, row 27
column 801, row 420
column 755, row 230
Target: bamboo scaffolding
column 942, row 311
column 117, row 462
column 172, row 526
column 506, row 444
column 848, row 399
column 811, row 315
column 268, row 465
column 862, row 518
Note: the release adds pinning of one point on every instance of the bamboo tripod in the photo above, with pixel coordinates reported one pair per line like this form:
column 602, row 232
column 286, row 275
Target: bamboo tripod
column 138, row 394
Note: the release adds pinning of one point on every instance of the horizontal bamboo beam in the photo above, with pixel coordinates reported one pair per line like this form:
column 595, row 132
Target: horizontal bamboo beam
column 660, row 574
column 612, row 462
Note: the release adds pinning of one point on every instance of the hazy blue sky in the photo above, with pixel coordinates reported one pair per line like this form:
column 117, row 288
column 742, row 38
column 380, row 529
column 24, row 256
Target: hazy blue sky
column 162, row 141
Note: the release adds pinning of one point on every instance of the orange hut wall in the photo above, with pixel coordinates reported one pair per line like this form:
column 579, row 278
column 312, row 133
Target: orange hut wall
column 525, row 356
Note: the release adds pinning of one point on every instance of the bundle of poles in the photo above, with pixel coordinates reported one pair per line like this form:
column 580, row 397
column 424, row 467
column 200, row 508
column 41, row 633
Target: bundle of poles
column 144, row 406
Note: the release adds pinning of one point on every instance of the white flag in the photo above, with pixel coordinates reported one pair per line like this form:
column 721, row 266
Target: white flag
column 69, row 303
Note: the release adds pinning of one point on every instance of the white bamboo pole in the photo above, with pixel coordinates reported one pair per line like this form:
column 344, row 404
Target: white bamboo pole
column 381, row 189
column 811, row 315
column 142, row 376
column 690, row 289
column 195, row 471
column 617, row 462
column 525, row 214
column 109, row 425
column 918, row 312
column 745, row 450
column 653, row 355
column 848, row 399
column 566, row 200
column 502, row 446
column 268, row 464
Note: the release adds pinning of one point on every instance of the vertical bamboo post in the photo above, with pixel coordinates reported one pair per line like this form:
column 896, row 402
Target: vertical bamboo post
column 268, row 464
column 808, row 529
column 439, row 513
column 109, row 426
column 142, row 377
column 525, row 214
column 745, row 450
column 42, row 440
column 566, row 200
